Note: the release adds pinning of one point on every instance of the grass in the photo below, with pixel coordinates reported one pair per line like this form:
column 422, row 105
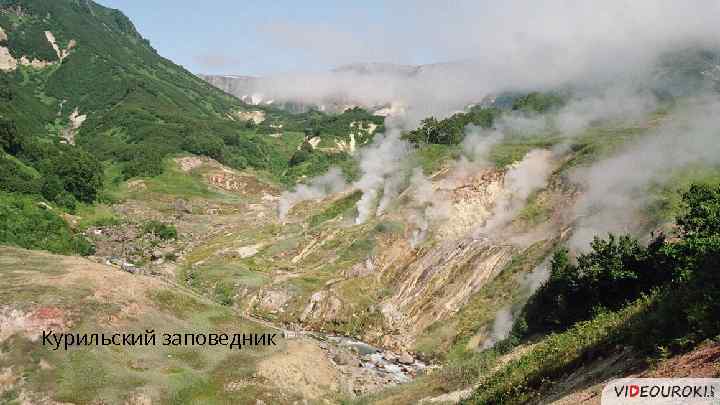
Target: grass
column 513, row 149
column 221, row 279
column 96, row 215
column 596, row 143
column 83, row 377
column 526, row 378
column 537, row 210
column 344, row 206
column 666, row 198
column 179, row 305
column 27, row 224
column 175, row 182
column 433, row 157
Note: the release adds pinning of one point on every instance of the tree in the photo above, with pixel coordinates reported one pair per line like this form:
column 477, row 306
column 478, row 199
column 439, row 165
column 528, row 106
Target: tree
column 10, row 140
column 702, row 211
column 81, row 173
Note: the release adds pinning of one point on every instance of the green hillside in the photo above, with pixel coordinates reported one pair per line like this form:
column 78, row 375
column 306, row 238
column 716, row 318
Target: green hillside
column 125, row 109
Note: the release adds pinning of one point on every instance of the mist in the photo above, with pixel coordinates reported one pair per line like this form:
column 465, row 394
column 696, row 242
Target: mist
column 479, row 48
column 319, row 187
column 616, row 188
column 505, row 317
column 380, row 166
column 521, row 180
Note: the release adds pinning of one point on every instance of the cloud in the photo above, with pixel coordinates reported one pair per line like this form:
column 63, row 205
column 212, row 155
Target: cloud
column 492, row 46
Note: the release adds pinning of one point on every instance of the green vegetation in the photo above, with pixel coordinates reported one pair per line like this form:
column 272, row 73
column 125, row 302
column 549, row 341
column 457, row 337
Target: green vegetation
column 513, row 148
column 659, row 299
column 522, row 380
column 178, row 304
column 598, row 142
column 451, row 131
column 537, row 102
column 140, row 107
column 432, row 157
column 161, row 230
column 60, row 173
column 26, row 223
column 343, row 206
column 616, row 271
column 328, row 128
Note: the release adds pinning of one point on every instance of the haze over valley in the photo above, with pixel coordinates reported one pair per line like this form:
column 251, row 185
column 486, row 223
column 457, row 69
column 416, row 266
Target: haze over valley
column 479, row 203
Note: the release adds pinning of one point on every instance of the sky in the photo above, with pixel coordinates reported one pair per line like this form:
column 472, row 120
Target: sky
column 260, row 37
column 511, row 40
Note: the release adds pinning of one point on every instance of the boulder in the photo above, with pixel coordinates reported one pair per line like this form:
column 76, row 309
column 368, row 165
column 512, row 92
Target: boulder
column 343, row 358
column 405, row 358
column 389, row 356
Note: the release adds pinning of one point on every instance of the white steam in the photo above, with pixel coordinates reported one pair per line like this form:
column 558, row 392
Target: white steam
column 427, row 207
column 521, row 180
column 501, row 328
column 617, row 187
column 505, row 318
column 380, row 163
column 319, row 187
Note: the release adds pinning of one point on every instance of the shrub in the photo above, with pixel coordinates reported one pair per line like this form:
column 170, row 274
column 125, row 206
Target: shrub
column 10, row 140
column 161, row 230
column 619, row 270
column 27, row 224
column 17, row 178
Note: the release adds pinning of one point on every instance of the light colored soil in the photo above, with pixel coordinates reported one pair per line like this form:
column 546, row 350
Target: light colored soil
column 7, row 62
column 302, row 368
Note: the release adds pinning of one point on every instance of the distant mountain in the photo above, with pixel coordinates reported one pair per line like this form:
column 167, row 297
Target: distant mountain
column 336, row 98
column 374, row 68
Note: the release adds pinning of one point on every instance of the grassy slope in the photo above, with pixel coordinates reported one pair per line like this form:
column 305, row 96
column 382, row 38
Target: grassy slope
column 87, row 297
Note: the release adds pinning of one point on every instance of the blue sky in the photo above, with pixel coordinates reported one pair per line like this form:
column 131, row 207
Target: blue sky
column 259, row 37
column 517, row 40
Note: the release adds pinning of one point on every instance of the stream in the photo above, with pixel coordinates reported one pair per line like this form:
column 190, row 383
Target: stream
column 385, row 364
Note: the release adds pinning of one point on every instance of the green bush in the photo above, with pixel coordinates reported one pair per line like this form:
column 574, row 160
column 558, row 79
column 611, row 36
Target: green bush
column 161, row 230
column 10, row 140
column 537, row 102
column 451, row 131
column 615, row 271
column 16, row 177
column 619, row 270
column 24, row 222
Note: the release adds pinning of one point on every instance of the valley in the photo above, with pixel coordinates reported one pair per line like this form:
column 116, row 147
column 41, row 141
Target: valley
column 409, row 234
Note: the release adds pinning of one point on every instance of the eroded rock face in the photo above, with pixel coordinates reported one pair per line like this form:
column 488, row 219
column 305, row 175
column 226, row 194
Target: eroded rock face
column 440, row 283
column 323, row 306
column 471, row 201
column 9, row 63
column 76, row 121
column 273, row 301
column 426, row 282
column 61, row 53
column 255, row 116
